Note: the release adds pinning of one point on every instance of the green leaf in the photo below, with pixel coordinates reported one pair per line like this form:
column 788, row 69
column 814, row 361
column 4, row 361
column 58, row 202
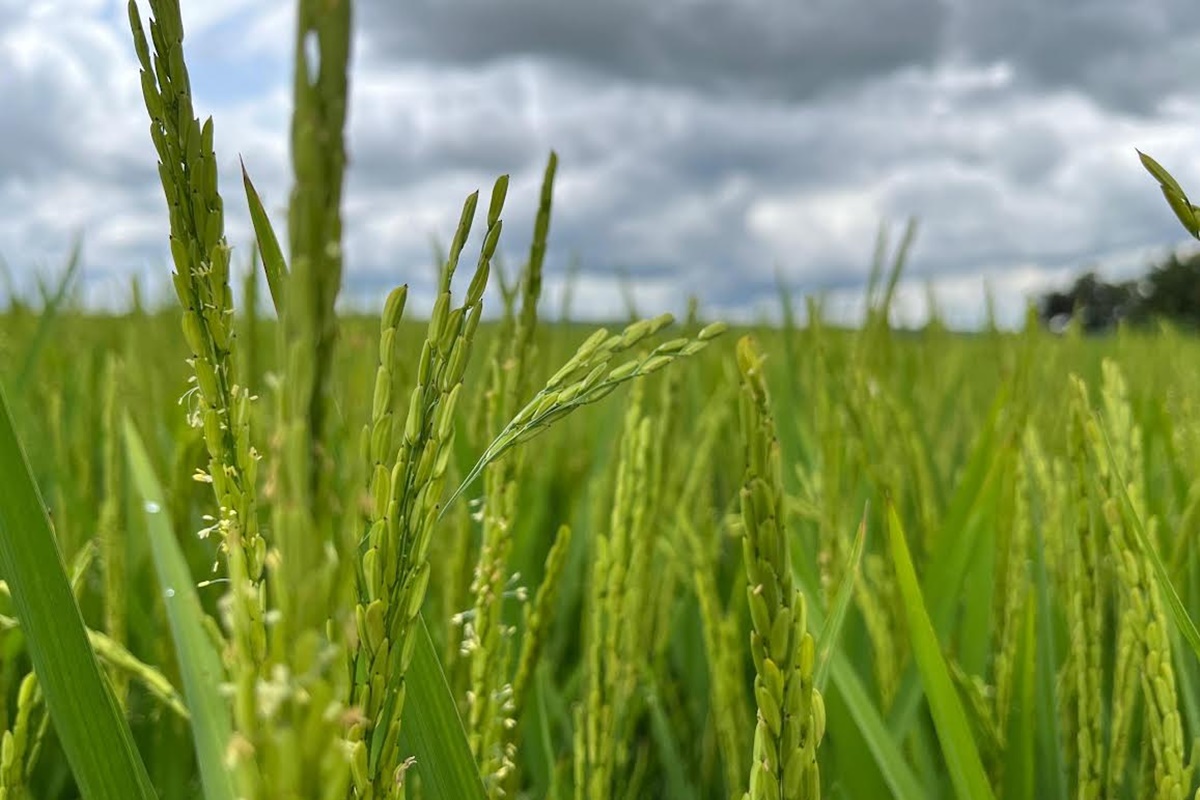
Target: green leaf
column 1188, row 681
column 898, row 263
column 883, row 748
column 827, row 639
column 1187, row 213
column 949, row 718
column 94, row 735
column 543, row 754
column 432, row 731
column 1160, row 174
column 673, row 762
column 268, row 244
column 1022, row 733
column 1051, row 766
column 199, row 663
column 956, row 540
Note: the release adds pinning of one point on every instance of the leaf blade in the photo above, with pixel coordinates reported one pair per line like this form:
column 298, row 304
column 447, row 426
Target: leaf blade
column 1023, row 731
column 827, row 640
column 199, row 663
column 431, row 729
column 94, row 734
column 1173, row 192
column 950, row 720
column 274, row 264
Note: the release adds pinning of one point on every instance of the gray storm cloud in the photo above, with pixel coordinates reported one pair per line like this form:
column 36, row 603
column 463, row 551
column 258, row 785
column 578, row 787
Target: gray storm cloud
column 703, row 145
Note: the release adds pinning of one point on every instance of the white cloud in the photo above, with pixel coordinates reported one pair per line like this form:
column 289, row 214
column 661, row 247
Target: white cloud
column 832, row 224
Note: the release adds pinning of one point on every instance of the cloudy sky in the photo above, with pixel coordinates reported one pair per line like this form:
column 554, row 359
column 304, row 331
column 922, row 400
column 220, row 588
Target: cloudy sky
column 704, row 144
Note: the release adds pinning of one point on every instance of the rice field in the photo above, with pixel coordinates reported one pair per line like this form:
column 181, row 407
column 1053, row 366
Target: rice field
column 263, row 550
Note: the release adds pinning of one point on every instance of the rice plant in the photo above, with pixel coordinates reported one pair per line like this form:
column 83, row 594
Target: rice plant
column 462, row 552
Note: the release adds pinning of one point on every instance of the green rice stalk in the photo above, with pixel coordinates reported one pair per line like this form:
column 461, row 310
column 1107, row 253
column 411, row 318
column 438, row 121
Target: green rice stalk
column 394, row 564
column 1132, row 613
column 315, row 232
column 722, row 650
column 62, row 518
column 1121, row 442
column 591, row 709
column 583, row 380
column 219, row 406
column 491, row 699
column 841, row 391
column 110, row 526
column 457, row 560
column 579, row 759
column 791, row 718
column 657, row 560
column 1084, row 612
column 379, row 432
column 719, row 627
column 621, row 615
column 521, row 347
column 587, row 378
column 251, row 367
column 610, row 670
column 488, row 640
column 1012, row 597
column 882, row 629
column 630, row 599
column 540, row 614
column 665, row 480
column 9, row 674
column 510, row 698
column 301, row 700
column 610, row 680
column 377, row 435
column 1173, row 771
column 827, row 482
column 1052, row 490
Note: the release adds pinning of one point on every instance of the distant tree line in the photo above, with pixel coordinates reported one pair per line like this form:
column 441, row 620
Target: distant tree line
column 1170, row 291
